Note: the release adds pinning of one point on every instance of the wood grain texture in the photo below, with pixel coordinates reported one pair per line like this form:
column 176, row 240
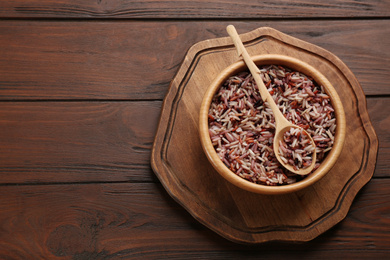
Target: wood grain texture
column 379, row 108
column 194, row 9
column 51, row 142
column 74, row 159
column 111, row 221
column 46, row 142
column 59, row 60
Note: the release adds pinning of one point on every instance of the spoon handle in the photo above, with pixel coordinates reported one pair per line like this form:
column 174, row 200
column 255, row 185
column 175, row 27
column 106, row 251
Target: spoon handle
column 265, row 95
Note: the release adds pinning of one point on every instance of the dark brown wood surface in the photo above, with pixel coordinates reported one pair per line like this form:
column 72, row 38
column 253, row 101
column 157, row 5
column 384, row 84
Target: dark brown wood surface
column 80, row 100
column 199, row 9
column 116, row 60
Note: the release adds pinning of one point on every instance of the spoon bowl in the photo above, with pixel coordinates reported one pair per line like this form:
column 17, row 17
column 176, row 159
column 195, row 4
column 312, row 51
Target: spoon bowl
column 279, row 134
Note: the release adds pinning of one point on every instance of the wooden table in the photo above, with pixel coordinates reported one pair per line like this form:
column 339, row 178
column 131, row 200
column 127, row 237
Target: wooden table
column 81, row 90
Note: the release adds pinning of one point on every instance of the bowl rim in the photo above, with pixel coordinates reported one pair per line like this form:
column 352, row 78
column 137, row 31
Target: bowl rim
column 294, row 64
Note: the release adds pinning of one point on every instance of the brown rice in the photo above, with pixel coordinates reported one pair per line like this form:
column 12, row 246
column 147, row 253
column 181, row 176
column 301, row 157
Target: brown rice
column 242, row 126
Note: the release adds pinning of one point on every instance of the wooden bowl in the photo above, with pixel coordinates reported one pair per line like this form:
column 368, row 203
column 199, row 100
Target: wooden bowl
column 296, row 65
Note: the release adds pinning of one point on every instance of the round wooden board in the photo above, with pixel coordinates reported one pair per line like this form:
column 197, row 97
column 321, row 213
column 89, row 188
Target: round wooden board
column 180, row 164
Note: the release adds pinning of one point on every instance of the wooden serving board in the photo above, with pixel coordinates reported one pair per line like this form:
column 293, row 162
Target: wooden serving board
column 182, row 167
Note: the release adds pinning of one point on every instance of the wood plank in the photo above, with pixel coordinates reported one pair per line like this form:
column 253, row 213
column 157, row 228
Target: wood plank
column 193, row 9
column 97, row 221
column 137, row 60
column 43, row 142
column 77, row 141
column 378, row 109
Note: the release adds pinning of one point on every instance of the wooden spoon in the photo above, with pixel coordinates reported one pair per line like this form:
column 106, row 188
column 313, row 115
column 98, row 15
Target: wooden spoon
column 282, row 125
